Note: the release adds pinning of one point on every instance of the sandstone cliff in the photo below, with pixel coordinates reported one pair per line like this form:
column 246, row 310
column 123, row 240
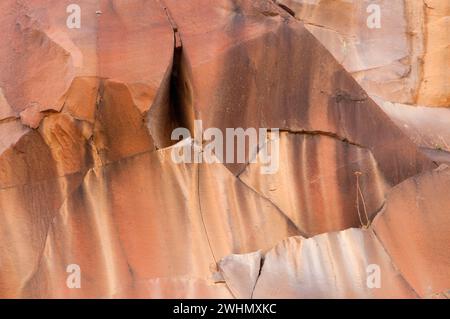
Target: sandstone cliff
column 87, row 178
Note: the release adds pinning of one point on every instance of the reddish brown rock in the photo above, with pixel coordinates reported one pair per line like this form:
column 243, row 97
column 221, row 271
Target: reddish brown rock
column 31, row 116
column 122, row 245
column 406, row 248
column 427, row 127
column 6, row 112
column 82, row 98
column 413, row 227
column 317, row 185
column 229, row 56
column 34, row 70
column 402, row 59
column 93, row 184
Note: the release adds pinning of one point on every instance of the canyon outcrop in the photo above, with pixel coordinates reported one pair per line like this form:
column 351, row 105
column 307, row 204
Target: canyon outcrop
column 87, row 175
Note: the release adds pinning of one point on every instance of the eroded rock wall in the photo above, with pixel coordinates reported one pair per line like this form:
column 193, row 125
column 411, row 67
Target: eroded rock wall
column 87, row 176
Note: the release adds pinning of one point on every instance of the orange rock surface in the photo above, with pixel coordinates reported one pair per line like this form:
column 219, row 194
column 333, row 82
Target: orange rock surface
column 87, row 176
column 404, row 60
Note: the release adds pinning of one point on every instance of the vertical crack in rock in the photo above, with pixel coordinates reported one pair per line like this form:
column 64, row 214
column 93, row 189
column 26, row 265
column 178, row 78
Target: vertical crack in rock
column 201, row 215
column 172, row 107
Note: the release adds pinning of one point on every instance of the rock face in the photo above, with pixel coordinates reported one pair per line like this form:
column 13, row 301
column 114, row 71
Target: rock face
column 400, row 245
column 397, row 50
column 88, row 182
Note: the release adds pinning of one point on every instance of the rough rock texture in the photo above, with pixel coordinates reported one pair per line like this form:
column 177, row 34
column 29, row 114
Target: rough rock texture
column 419, row 209
column 405, row 60
column 316, row 167
column 317, row 95
column 338, row 261
column 413, row 260
column 403, row 65
column 427, row 127
column 87, row 177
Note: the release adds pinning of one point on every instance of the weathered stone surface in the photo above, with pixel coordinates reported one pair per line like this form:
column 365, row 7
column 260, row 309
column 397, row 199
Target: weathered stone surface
column 34, row 69
column 318, row 95
column 240, row 273
column 407, row 245
column 427, row 127
column 405, row 60
column 87, row 176
column 123, row 246
column 332, row 265
column 317, row 183
column 6, row 112
column 413, row 227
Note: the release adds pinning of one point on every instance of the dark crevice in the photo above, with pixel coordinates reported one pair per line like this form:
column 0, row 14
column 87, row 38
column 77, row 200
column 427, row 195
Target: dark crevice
column 341, row 95
column 179, row 90
column 345, row 96
column 287, row 9
column 173, row 105
column 261, row 265
column 324, row 133
column 374, row 214
column 9, row 119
